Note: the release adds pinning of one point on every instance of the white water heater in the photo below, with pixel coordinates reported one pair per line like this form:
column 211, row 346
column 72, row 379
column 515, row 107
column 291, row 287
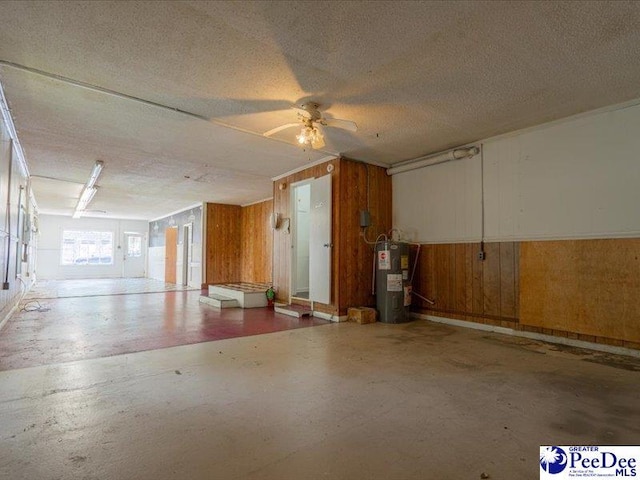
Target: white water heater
column 393, row 286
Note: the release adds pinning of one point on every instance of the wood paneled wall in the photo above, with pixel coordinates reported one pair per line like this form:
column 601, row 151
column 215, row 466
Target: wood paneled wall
column 282, row 237
column 472, row 289
column 256, row 242
column 223, row 239
column 351, row 256
column 362, row 187
column 590, row 287
column 239, row 243
column 580, row 289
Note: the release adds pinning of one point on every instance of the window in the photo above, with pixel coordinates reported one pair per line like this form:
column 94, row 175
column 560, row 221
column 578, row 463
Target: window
column 134, row 246
column 87, row 248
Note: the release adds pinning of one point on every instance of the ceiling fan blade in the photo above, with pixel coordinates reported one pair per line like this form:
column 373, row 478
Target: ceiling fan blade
column 280, row 128
column 338, row 123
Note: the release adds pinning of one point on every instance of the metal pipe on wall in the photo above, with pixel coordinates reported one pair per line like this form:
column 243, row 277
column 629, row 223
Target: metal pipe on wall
column 8, row 122
column 455, row 154
column 5, row 283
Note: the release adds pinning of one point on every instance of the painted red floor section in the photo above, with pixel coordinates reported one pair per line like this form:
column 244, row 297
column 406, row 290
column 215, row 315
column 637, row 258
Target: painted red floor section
column 92, row 327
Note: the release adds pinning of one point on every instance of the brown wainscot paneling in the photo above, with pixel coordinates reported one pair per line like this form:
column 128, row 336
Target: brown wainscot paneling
column 463, row 286
column 578, row 289
column 256, row 242
column 589, row 287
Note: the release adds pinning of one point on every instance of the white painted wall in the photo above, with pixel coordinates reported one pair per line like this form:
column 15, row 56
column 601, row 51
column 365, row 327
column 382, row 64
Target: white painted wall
column 157, row 252
column 14, row 186
column 156, row 263
column 577, row 178
column 439, row 204
column 50, row 244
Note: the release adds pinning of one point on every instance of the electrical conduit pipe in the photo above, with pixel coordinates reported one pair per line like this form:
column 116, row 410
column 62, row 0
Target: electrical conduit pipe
column 455, row 154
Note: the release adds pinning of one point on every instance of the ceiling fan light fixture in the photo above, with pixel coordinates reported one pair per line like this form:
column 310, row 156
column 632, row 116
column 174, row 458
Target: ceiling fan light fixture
column 310, row 117
column 304, row 136
column 309, row 136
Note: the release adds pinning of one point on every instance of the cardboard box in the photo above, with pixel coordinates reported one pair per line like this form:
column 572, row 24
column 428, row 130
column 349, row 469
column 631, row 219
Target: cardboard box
column 361, row 315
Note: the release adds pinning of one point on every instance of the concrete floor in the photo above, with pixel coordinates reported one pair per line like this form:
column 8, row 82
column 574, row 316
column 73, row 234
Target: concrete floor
column 48, row 289
column 338, row 401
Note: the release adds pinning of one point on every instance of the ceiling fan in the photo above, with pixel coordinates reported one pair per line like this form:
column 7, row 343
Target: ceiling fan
column 312, row 121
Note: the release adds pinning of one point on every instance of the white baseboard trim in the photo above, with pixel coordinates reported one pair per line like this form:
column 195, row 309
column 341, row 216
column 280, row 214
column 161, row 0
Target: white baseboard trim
column 322, row 315
column 329, row 316
column 12, row 310
column 534, row 336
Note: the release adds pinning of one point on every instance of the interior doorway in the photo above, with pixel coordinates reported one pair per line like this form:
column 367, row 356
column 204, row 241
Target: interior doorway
column 301, row 205
column 311, row 242
column 187, row 252
column 171, row 254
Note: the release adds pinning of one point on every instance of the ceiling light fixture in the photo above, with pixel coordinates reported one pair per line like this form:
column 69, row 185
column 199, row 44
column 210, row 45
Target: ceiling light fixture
column 310, row 136
column 89, row 190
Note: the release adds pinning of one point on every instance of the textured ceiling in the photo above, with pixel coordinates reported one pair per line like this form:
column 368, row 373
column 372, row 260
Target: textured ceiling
column 417, row 77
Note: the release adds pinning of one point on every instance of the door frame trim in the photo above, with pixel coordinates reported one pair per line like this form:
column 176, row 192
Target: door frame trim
column 292, row 227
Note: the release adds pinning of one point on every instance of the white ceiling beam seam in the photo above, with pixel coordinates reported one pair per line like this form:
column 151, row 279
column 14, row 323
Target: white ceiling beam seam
column 125, row 96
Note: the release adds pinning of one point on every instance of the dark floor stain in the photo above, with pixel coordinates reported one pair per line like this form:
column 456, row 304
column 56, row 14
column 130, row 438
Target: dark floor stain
column 608, row 359
column 574, row 425
column 516, row 343
column 464, row 365
column 417, row 332
column 32, row 426
column 606, row 438
column 623, row 363
column 624, row 411
column 557, row 347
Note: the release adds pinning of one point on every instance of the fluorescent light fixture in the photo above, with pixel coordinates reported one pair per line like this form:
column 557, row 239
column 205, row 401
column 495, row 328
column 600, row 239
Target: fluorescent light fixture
column 89, row 190
column 95, row 173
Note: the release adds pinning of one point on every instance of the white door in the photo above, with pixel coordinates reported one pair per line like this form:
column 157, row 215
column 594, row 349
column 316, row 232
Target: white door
column 187, row 253
column 320, row 240
column 133, row 255
column 301, row 198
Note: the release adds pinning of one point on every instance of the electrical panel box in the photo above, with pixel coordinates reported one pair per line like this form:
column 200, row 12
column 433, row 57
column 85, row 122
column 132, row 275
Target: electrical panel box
column 365, row 219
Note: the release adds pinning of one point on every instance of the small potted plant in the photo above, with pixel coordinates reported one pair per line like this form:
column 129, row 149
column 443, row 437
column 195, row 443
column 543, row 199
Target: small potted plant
column 271, row 295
